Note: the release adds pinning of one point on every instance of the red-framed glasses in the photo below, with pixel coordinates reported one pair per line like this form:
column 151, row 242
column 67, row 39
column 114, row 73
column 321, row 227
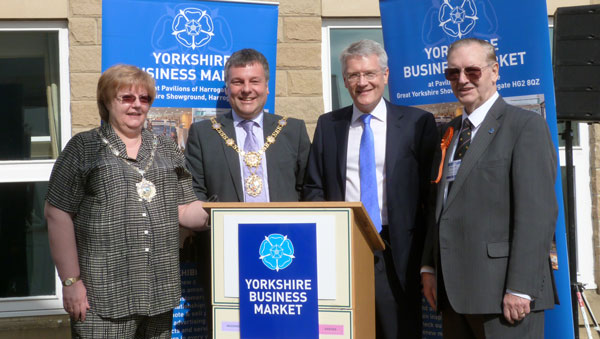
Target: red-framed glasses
column 473, row 73
column 130, row 99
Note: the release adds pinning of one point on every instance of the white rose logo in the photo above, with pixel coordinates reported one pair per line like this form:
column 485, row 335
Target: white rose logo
column 193, row 28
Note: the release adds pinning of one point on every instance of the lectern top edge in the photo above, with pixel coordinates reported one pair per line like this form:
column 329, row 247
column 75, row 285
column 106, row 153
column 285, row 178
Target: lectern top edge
column 363, row 221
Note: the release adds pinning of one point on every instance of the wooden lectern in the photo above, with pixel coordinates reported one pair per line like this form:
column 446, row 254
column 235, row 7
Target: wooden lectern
column 346, row 239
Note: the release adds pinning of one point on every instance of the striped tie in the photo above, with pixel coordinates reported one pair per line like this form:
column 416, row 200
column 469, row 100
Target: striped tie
column 464, row 140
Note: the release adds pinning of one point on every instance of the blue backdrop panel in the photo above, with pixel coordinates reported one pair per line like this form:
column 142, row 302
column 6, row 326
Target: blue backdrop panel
column 278, row 281
column 417, row 35
column 184, row 44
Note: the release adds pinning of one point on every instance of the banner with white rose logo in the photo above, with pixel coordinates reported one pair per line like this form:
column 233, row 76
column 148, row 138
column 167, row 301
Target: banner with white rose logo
column 184, row 46
column 417, row 35
column 278, row 281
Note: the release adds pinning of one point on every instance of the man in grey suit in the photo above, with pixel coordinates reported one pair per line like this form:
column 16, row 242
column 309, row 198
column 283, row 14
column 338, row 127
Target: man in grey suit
column 247, row 155
column 486, row 260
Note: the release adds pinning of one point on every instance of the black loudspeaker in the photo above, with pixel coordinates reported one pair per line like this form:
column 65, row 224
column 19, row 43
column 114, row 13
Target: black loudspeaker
column 577, row 63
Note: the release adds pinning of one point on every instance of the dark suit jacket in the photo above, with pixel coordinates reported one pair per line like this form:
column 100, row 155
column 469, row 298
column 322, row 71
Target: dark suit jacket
column 494, row 230
column 411, row 141
column 216, row 169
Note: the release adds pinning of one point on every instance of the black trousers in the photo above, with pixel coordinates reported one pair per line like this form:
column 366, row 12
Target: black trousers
column 397, row 311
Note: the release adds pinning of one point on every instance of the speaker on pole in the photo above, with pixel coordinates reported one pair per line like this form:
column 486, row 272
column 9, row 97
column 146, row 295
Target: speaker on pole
column 577, row 63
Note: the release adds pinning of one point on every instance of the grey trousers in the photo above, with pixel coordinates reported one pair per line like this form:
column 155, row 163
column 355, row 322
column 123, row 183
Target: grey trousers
column 131, row 327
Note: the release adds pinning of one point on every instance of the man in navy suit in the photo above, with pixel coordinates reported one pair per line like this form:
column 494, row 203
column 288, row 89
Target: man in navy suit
column 380, row 154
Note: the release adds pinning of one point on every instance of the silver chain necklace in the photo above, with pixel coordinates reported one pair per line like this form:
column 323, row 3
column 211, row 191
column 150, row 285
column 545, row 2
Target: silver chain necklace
column 145, row 188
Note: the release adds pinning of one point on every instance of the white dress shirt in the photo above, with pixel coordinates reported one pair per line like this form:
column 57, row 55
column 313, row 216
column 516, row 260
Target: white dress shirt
column 476, row 118
column 240, row 137
column 379, row 127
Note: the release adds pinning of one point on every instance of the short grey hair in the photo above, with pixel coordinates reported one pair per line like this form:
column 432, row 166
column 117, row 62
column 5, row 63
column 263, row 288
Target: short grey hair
column 490, row 50
column 364, row 48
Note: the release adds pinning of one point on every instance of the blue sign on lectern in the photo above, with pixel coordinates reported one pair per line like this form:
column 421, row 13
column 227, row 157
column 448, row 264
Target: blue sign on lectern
column 278, row 281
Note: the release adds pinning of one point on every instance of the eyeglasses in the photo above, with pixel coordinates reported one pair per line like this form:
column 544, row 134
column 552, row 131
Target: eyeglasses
column 129, row 99
column 355, row 77
column 473, row 73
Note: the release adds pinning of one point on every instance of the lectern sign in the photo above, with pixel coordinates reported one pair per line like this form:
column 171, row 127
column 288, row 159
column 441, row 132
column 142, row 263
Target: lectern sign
column 278, row 281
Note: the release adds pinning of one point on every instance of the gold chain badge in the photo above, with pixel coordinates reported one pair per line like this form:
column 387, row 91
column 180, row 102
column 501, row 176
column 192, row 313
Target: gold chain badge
column 252, row 160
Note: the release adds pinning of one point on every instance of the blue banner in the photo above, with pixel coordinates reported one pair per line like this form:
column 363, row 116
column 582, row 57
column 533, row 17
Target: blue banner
column 278, row 281
column 184, row 44
column 417, row 35
column 189, row 318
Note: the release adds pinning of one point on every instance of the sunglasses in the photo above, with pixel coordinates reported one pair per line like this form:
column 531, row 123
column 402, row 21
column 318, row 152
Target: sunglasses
column 130, row 99
column 473, row 73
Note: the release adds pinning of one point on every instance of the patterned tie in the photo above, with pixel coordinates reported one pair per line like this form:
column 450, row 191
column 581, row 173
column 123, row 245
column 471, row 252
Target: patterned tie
column 464, row 140
column 368, row 173
column 251, row 145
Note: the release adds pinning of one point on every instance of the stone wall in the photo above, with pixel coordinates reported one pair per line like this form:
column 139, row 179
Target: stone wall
column 43, row 327
column 299, row 80
column 85, row 51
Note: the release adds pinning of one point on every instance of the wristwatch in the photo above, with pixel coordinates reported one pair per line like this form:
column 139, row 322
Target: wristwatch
column 70, row 281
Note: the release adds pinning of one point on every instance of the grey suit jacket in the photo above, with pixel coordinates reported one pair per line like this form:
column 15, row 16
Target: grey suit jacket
column 494, row 230
column 215, row 166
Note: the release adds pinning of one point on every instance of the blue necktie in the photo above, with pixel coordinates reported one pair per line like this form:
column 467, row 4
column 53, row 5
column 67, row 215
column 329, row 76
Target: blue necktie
column 368, row 173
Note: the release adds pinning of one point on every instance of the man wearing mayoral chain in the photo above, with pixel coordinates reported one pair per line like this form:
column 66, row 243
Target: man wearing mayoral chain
column 246, row 155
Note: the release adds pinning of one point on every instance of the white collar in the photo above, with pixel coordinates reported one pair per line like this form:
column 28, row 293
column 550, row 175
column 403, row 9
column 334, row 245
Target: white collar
column 257, row 119
column 379, row 112
column 476, row 117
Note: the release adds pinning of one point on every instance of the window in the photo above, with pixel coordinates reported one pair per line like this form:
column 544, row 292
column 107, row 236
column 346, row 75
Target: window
column 337, row 35
column 34, row 103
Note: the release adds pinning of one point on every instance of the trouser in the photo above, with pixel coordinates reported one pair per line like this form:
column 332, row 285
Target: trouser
column 132, row 327
column 397, row 311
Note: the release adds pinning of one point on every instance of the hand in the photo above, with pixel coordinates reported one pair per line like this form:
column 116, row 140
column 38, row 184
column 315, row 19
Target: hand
column 193, row 216
column 75, row 301
column 429, row 288
column 515, row 308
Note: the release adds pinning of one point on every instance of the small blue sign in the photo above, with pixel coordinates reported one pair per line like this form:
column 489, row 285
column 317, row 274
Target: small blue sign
column 278, row 281
column 189, row 318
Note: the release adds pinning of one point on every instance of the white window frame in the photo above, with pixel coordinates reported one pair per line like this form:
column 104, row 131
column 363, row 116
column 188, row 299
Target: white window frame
column 326, row 26
column 39, row 170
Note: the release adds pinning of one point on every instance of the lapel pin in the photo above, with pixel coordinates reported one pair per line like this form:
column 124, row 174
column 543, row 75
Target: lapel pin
column 491, row 130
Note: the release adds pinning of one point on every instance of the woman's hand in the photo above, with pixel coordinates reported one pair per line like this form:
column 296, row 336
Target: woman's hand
column 193, row 216
column 75, row 301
